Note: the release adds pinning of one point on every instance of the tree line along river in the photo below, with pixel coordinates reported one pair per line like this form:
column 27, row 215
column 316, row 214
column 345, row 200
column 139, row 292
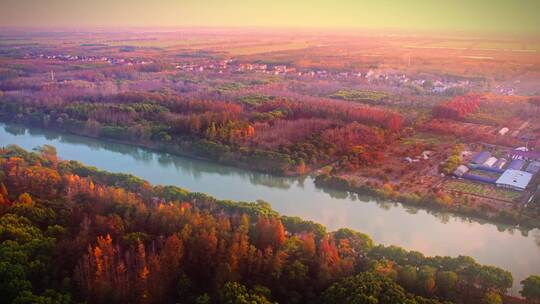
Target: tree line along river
column 389, row 223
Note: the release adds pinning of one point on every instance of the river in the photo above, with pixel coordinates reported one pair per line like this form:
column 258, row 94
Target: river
column 386, row 222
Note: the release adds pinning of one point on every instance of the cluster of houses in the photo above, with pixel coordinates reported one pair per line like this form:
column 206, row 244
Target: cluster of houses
column 504, row 90
column 436, row 86
column 220, row 65
column 425, row 155
column 393, row 78
column 514, row 172
column 82, row 58
column 380, row 77
column 229, row 65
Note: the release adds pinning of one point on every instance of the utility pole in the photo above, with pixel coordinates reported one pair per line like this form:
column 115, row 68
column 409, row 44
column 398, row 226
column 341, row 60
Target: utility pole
column 52, row 75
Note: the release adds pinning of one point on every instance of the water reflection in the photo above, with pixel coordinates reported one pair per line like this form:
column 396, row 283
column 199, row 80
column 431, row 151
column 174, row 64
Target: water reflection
column 337, row 194
column 197, row 169
column 411, row 209
column 15, row 130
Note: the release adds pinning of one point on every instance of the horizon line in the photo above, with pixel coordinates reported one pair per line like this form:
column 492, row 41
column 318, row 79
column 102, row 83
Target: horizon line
column 344, row 30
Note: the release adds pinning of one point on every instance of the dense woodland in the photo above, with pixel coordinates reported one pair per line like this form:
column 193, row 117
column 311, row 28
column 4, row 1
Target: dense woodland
column 458, row 107
column 277, row 135
column 71, row 233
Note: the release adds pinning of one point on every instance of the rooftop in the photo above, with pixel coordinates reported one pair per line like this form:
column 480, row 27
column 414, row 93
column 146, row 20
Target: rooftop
column 515, row 179
column 534, row 167
column 525, row 154
column 481, row 157
column 516, row 164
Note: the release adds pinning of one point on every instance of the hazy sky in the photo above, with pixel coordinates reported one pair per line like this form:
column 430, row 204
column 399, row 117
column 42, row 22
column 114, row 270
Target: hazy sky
column 509, row 16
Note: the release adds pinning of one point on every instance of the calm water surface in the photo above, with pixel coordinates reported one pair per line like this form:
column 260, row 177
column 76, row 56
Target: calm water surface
column 386, row 223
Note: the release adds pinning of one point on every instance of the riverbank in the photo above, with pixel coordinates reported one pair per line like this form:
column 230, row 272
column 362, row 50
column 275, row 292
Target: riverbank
column 256, row 160
column 429, row 202
column 433, row 202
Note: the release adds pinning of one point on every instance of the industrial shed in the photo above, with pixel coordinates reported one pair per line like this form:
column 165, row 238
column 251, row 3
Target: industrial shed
column 500, row 163
column 480, row 158
column 489, row 169
column 461, row 170
column 479, row 178
column 516, row 164
column 490, row 161
column 526, row 155
column 514, row 179
column 534, row 167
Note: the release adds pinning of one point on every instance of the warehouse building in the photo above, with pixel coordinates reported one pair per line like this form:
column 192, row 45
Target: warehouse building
column 461, row 170
column 500, row 163
column 490, row 161
column 480, row 158
column 526, row 155
column 534, row 167
column 516, row 164
column 514, row 179
column 479, row 178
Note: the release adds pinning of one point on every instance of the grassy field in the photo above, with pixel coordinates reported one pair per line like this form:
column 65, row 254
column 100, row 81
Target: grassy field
column 267, row 48
column 164, row 43
column 465, row 44
column 360, row 95
column 482, row 189
column 255, row 99
column 427, row 138
column 485, row 173
column 8, row 42
column 498, row 119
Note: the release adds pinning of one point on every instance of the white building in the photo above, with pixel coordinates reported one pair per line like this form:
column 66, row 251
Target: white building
column 514, row 179
column 461, row 170
column 503, row 131
column 490, row 161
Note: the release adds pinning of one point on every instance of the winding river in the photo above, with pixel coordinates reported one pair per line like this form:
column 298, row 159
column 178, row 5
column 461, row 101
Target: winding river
column 386, row 222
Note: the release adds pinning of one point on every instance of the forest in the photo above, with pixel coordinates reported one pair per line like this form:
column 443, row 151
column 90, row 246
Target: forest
column 310, row 133
column 74, row 234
